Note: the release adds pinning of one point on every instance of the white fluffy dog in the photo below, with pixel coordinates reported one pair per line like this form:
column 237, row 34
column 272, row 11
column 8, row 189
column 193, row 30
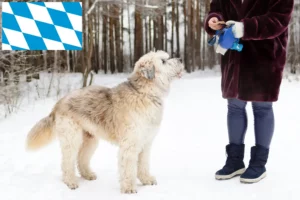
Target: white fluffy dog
column 128, row 115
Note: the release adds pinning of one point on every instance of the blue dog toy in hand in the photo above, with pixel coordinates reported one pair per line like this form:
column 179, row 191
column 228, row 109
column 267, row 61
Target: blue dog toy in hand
column 226, row 39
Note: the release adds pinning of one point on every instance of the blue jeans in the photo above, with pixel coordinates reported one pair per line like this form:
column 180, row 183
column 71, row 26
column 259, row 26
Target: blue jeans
column 263, row 122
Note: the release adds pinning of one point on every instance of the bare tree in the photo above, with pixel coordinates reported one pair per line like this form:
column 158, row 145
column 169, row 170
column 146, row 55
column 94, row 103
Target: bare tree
column 104, row 40
column 138, row 33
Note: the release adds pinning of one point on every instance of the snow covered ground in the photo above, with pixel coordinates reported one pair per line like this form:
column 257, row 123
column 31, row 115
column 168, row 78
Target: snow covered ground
column 186, row 153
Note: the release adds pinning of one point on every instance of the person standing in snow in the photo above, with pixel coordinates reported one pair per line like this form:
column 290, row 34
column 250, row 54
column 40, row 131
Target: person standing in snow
column 252, row 75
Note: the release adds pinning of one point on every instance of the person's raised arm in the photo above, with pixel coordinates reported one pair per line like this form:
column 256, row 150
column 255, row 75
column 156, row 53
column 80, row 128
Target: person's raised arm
column 213, row 17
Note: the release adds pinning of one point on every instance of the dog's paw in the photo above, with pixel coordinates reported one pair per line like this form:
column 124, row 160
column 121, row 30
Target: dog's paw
column 151, row 180
column 128, row 188
column 72, row 186
column 89, row 176
column 128, row 191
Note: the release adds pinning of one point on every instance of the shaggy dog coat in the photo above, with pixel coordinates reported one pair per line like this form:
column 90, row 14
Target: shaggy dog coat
column 128, row 115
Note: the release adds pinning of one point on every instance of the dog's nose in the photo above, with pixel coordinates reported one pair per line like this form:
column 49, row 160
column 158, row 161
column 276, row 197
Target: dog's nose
column 180, row 59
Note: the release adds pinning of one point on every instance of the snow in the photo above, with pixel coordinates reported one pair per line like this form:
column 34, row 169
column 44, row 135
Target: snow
column 186, row 153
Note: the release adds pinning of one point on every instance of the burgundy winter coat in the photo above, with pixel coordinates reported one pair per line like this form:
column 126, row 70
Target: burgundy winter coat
column 254, row 74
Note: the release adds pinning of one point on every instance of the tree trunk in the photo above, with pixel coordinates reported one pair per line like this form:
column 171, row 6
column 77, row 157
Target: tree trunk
column 198, row 40
column 55, row 61
column 189, row 35
column 192, row 38
column 45, row 60
column 211, row 51
column 88, row 51
column 71, row 62
column 172, row 32
column 118, row 39
column 138, row 35
column 104, row 40
column 155, row 33
column 150, row 35
column 96, row 46
column 111, row 41
column 185, row 34
column 160, row 34
column 122, row 41
column 129, row 35
column 146, row 35
column 166, row 27
column 177, row 30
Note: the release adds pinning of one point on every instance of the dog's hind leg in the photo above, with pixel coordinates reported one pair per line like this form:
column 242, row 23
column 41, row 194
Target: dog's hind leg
column 88, row 147
column 143, row 167
column 70, row 137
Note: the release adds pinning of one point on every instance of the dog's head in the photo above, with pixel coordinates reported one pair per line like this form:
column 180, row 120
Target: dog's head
column 159, row 67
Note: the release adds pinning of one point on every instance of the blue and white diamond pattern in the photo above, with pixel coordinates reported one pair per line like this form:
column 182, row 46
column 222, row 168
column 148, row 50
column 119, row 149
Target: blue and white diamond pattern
column 42, row 26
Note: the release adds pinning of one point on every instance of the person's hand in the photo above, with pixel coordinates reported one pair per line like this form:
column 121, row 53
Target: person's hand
column 213, row 24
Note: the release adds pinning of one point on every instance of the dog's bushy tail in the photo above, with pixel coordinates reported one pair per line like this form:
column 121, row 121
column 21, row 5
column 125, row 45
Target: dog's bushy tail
column 41, row 134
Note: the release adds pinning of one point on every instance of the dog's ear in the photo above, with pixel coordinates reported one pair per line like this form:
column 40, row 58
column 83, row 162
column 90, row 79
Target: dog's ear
column 163, row 55
column 148, row 72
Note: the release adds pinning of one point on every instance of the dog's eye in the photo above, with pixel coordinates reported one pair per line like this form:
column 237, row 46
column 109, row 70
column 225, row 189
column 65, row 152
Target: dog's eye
column 163, row 61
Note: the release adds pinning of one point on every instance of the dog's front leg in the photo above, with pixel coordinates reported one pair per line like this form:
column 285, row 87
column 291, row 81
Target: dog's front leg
column 144, row 167
column 128, row 158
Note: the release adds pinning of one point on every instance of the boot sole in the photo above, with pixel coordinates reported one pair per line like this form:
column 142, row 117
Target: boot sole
column 245, row 180
column 229, row 176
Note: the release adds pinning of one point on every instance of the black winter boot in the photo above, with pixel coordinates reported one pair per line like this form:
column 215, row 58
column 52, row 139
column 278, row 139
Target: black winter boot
column 234, row 164
column 256, row 170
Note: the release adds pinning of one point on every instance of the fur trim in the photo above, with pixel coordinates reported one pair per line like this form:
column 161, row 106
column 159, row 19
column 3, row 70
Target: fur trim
column 220, row 50
column 238, row 29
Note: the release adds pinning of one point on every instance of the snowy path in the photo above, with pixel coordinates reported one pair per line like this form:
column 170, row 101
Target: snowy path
column 186, row 153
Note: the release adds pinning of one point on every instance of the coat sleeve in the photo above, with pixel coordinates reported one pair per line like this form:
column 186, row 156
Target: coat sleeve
column 270, row 25
column 215, row 11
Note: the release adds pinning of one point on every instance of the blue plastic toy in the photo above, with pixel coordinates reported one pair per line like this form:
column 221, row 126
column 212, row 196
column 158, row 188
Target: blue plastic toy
column 226, row 39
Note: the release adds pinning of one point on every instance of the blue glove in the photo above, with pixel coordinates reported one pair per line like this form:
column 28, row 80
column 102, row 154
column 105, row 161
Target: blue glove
column 227, row 38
